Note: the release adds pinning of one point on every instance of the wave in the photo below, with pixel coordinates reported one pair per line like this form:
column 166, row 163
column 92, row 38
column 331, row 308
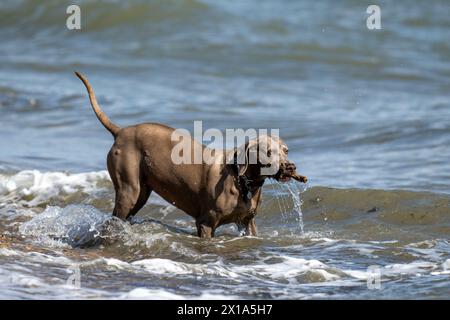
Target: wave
column 98, row 15
column 166, row 250
column 268, row 271
column 74, row 209
column 153, row 294
column 389, row 206
column 36, row 188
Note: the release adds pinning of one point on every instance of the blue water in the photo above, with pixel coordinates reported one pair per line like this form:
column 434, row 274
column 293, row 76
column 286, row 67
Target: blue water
column 358, row 108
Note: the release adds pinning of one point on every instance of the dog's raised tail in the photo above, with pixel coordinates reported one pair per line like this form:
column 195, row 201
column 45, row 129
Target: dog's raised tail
column 108, row 124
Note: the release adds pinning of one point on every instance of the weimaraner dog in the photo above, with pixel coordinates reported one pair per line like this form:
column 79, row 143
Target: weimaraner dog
column 214, row 194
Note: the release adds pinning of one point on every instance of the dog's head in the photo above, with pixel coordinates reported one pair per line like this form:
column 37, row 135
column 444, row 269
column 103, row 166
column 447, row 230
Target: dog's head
column 267, row 157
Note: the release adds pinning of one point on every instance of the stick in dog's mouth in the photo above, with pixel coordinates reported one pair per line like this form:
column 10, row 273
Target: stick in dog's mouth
column 299, row 178
column 286, row 177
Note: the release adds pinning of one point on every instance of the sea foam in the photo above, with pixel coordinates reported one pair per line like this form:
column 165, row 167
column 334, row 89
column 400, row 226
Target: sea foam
column 41, row 186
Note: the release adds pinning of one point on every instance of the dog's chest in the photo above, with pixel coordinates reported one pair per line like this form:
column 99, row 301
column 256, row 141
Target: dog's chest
column 245, row 206
column 246, row 209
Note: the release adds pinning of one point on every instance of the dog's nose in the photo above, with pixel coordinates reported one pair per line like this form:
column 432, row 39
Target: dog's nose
column 291, row 166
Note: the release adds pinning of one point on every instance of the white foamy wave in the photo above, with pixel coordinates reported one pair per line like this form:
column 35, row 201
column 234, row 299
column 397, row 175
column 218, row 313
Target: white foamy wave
column 41, row 186
column 445, row 268
column 8, row 252
column 416, row 268
column 289, row 269
column 159, row 266
column 22, row 280
column 149, row 294
column 155, row 294
column 17, row 284
column 163, row 266
column 36, row 257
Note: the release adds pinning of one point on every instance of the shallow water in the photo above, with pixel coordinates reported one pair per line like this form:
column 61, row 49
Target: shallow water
column 366, row 115
column 54, row 222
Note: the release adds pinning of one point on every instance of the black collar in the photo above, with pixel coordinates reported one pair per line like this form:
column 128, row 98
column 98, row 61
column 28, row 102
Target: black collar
column 246, row 185
column 250, row 184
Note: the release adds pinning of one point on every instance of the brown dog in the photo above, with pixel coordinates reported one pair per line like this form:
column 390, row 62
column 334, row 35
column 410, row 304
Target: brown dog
column 140, row 162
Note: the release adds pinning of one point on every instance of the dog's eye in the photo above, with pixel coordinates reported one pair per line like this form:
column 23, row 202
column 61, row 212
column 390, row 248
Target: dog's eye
column 286, row 150
column 269, row 153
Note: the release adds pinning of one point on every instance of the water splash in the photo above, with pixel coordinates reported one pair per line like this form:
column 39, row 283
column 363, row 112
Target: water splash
column 287, row 196
column 294, row 190
column 279, row 197
column 75, row 225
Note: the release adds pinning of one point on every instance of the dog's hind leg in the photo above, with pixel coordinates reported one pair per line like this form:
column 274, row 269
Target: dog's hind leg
column 144, row 194
column 131, row 193
column 126, row 199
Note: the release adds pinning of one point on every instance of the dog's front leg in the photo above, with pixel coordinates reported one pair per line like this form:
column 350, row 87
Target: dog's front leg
column 250, row 228
column 247, row 228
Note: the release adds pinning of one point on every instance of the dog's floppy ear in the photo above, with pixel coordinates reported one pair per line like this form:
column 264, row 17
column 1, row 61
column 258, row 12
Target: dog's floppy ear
column 242, row 156
column 242, row 167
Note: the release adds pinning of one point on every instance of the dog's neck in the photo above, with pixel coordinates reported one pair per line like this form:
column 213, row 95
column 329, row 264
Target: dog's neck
column 248, row 183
